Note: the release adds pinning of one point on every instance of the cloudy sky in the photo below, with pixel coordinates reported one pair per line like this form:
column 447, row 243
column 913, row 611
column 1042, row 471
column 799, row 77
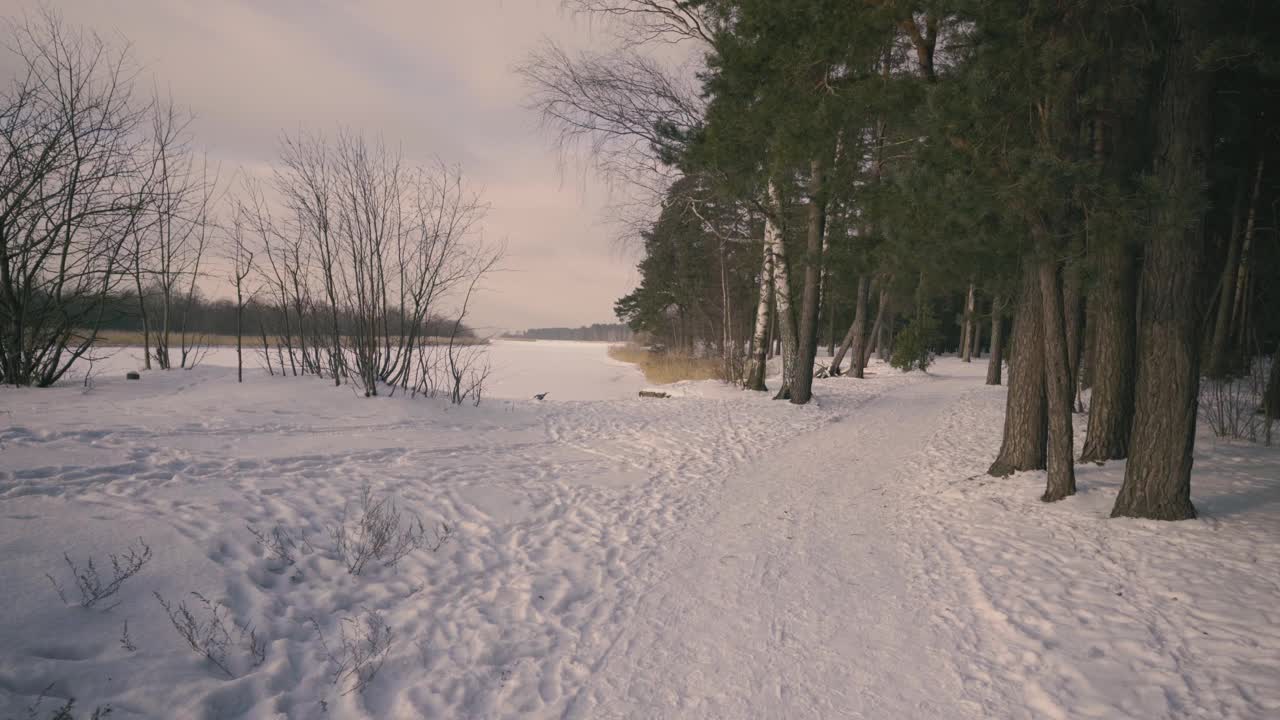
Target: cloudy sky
column 433, row 75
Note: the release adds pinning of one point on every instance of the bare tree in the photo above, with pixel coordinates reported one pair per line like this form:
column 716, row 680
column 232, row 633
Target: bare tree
column 72, row 187
column 390, row 241
column 241, row 258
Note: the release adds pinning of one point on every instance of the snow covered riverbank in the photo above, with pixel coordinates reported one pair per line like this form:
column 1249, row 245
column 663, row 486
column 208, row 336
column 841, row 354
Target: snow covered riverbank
column 716, row 554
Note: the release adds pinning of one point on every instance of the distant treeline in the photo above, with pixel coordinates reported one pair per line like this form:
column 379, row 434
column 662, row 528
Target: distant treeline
column 599, row 332
column 205, row 316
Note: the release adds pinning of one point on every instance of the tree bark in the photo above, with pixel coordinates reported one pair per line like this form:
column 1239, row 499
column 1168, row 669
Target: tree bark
column 1114, row 334
column 877, row 328
column 1061, row 481
column 1072, row 298
column 884, row 346
column 786, row 316
column 975, row 350
column 1219, row 356
column 966, row 334
column 1157, row 479
column 996, row 358
column 855, row 337
column 831, row 321
column 802, row 382
column 1088, row 362
column 1271, row 397
column 1025, row 417
column 860, row 342
column 754, row 379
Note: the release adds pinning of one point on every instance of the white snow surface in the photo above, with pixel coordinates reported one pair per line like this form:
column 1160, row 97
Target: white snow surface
column 712, row 555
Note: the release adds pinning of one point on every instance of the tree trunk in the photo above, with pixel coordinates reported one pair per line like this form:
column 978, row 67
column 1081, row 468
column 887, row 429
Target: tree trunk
column 782, row 296
column 854, row 337
column 966, row 334
column 1237, row 340
column 1219, row 356
column 859, row 363
column 1112, row 308
column 975, row 349
column 239, row 336
column 1157, row 479
column 1061, row 480
column 266, row 347
column 884, row 347
column 877, row 330
column 1271, row 397
column 1023, row 445
column 754, row 379
column 996, row 358
column 831, row 320
column 1072, row 298
column 773, row 314
column 142, row 312
column 1088, row 361
column 802, row 387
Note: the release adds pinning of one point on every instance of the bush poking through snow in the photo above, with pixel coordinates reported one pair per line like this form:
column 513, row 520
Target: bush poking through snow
column 363, row 645
column 92, row 586
column 1229, row 407
column 64, row 711
column 211, row 637
column 279, row 543
column 126, row 642
column 380, row 532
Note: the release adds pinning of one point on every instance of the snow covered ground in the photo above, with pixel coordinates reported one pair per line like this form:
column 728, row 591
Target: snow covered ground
column 713, row 555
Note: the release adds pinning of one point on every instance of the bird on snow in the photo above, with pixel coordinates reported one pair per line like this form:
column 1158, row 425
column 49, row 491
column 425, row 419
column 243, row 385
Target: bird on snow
column 540, row 396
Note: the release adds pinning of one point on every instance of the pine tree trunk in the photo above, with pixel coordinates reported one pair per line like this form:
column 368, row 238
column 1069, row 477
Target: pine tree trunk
column 1237, row 345
column 1114, row 334
column 1219, row 356
column 966, row 335
column 802, row 382
column 1025, row 417
column 831, row 321
column 877, row 329
column 1061, row 480
column 1072, row 298
column 975, row 351
column 884, row 349
column 754, row 379
column 1088, row 362
column 996, row 358
column 860, row 329
column 773, row 315
column 854, row 337
column 1157, row 479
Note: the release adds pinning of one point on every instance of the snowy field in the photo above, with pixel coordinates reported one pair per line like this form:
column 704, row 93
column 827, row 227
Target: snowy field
column 713, row 555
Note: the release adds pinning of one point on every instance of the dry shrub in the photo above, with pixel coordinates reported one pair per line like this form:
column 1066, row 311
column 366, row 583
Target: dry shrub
column 1232, row 407
column 211, row 637
column 94, row 587
column 661, row 368
column 380, row 531
column 134, row 338
column 363, row 646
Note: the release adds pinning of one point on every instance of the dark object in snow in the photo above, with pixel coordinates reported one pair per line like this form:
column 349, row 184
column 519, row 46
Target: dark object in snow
column 653, row 394
column 540, row 396
column 133, row 375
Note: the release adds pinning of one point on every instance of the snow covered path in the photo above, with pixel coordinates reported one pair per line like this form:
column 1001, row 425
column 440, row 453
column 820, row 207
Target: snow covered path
column 793, row 601
column 714, row 555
